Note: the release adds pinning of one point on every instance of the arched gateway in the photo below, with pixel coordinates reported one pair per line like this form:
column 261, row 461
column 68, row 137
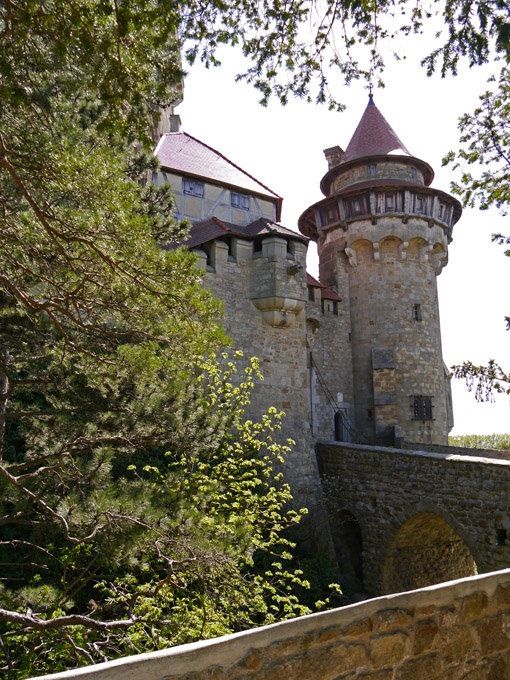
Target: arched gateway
column 424, row 551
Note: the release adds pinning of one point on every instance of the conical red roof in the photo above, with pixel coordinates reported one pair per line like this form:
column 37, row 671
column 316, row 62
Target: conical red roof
column 374, row 136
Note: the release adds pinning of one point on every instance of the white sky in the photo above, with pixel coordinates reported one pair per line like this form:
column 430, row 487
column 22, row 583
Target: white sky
column 283, row 148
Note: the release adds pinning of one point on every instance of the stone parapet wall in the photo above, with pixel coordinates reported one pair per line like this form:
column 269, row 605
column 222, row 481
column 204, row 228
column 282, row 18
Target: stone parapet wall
column 502, row 454
column 455, row 631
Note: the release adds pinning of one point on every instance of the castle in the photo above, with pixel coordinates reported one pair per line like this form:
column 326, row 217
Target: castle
column 353, row 358
column 356, row 356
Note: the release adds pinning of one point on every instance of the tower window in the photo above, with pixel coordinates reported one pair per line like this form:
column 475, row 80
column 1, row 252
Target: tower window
column 331, row 214
column 417, row 312
column 335, row 307
column 444, row 213
column 360, row 205
column 422, row 407
column 372, row 169
column 421, row 204
column 192, row 188
column 311, row 294
column 240, row 201
column 414, row 174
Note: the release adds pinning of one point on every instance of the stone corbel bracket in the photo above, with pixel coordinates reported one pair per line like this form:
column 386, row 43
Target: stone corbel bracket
column 424, row 253
column 353, row 257
column 279, row 311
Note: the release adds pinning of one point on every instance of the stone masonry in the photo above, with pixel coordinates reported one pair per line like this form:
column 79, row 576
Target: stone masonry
column 354, row 360
column 264, row 293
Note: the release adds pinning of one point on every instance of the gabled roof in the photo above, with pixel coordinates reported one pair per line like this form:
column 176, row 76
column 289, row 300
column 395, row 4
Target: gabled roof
column 325, row 292
column 374, row 136
column 311, row 281
column 208, row 230
column 330, row 295
column 185, row 154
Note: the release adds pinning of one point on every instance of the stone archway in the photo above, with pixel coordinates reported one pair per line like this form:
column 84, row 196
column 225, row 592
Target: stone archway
column 425, row 550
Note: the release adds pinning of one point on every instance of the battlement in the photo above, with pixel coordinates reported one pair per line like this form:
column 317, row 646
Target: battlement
column 273, row 271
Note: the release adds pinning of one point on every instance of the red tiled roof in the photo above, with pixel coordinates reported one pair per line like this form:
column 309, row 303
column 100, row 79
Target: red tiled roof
column 325, row 292
column 374, row 136
column 310, row 281
column 330, row 295
column 181, row 152
column 207, row 230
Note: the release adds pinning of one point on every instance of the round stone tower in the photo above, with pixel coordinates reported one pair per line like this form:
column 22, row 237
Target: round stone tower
column 382, row 234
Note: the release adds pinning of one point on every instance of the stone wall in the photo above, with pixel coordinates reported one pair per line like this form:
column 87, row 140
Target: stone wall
column 264, row 315
column 423, row 517
column 456, row 631
column 330, row 365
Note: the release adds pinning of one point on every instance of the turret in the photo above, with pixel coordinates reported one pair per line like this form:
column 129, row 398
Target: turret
column 382, row 233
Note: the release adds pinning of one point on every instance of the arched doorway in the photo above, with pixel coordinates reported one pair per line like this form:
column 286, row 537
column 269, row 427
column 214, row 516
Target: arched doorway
column 425, row 550
column 340, row 435
column 348, row 545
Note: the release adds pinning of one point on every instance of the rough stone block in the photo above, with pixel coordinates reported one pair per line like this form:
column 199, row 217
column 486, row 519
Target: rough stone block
column 459, row 646
column 388, row 650
column 422, row 668
column 428, row 611
column 502, row 596
column 325, row 663
column 328, row 635
column 383, row 358
column 390, row 619
column 252, row 660
column 473, row 606
column 424, row 637
column 358, row 628
column 492, row 635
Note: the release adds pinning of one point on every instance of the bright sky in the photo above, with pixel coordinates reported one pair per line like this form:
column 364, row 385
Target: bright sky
column 283, row 148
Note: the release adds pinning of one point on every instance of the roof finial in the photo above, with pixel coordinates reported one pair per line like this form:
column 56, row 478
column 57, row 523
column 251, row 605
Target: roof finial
column 370, row 98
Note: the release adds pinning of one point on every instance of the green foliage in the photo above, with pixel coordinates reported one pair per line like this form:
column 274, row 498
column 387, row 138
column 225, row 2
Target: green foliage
column 486, row 380
column 481, row 441
column 108, row 545
column 304, row 49
column 485, row 139
column 124, row 56
column 109, row 550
